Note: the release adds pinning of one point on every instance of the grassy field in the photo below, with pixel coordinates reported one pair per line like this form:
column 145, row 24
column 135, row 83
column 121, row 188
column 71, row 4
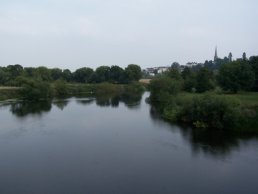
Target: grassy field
column 247, row 99
column 7, row 93
column 8, row 88
column 145, row 81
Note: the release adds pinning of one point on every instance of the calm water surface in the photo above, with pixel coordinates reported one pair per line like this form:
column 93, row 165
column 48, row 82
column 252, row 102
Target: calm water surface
column 117, row 146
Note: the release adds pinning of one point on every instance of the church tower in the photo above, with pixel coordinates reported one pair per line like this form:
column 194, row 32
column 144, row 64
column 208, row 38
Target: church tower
column 216, row 54
column 230, row 57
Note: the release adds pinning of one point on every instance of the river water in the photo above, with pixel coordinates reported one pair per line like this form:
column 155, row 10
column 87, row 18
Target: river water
column 117, row 145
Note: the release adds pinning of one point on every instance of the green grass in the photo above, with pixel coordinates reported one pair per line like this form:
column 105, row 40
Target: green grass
column 7, row 93
column 247, row 99
column 8, row 88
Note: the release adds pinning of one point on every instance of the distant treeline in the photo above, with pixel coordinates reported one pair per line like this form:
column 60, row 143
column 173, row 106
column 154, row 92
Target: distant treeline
column 14, row 75
column 230, row 76
column 173, row 94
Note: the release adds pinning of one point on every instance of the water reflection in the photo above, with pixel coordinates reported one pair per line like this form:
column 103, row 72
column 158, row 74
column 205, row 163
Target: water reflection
column 23, row 109
column 123, row 150
column 216, row 144
column 130, row 101
column 212, row 143
column 61, row 103
column 85, row 101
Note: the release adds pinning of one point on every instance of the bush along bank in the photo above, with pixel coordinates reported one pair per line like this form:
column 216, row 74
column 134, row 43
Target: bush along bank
column 32, row 90
column 208, row 111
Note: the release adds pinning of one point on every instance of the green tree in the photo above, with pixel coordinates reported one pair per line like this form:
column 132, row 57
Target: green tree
column 133, row 72
column 162, row 87
column 204, row 80
column 235, row 76
column 117, row 74
column 102, row 74
column 15, row 70
column 56, row 73
column 35, row 90
column 254, row 64
column 67, row 75
column 83, row 75
column 3, row 76
column 43, row 74
column 29, row 71
column 174, row 74
column 189, row 80
column 175, row 65
column 60, row 88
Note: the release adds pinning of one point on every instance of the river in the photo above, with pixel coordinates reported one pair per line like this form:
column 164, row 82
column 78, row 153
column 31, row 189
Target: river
column 117, row 145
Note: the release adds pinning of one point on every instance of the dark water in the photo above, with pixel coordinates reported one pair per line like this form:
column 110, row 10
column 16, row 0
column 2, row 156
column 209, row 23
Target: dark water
column 117, row 146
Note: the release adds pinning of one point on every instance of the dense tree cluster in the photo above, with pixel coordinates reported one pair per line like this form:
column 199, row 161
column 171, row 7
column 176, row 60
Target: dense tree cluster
column 13, row 75
column 209, row 110
column 230, row 76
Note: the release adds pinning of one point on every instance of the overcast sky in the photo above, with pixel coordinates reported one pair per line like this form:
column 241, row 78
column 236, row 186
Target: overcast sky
column 77, row 33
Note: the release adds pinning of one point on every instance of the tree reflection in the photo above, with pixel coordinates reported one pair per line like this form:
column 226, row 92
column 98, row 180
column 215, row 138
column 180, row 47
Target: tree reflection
column 115, row 101
column 131, row 101
column 103, row 101
column 84, row 101
column 212, row 143
column 22, row 109
column 61, row 103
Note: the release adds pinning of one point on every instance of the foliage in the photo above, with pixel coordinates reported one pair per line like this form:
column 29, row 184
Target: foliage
column 102, row 74
column 83, row 75
column 9, row 93
column 174, row 74
column 60, row 88
column 164, row 86
column 254, row 64
column 133, row 72
column 56, row 73
column 117, row 74
column 212, row 112
column 107, row 88
column 42, row 74
column 235, row 76
column 35, row 90
column 67, row 75
column 134, row 88
column 204, row 80
column 205, row 111
column 189, row 80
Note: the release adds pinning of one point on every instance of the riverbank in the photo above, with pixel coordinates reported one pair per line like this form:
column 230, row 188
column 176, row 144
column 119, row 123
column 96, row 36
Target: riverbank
column 62, row 89
column 210, row 110
column 9, row 93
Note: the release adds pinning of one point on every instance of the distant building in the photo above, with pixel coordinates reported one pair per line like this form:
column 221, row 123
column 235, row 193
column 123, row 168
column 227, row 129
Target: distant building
column 230, row 57
column 161, row 70
column 216, row 55
column 152, row 71
column 182, row 67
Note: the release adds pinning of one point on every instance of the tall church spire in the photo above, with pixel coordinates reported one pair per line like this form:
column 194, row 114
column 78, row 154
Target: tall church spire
column 216, row 54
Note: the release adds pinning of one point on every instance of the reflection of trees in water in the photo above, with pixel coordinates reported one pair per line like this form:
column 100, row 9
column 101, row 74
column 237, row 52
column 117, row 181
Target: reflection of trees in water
column 22, row 109
column 103, row 101
column 85, row 101
column 4, row 105
column 212, row 143
column 115, row 101
column 60, row 103
column 131, row 101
